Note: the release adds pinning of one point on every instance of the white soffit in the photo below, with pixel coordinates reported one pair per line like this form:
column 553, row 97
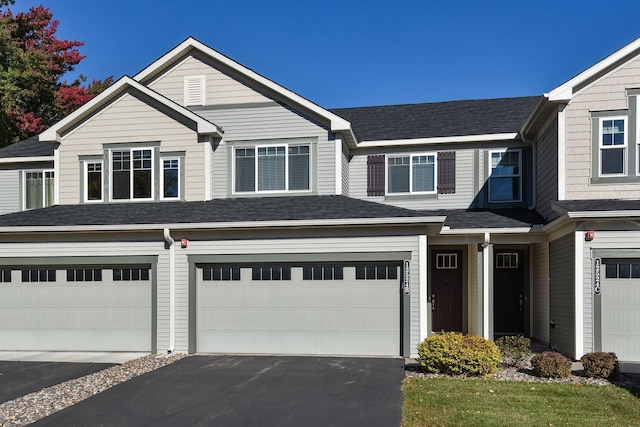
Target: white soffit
column 439, row 140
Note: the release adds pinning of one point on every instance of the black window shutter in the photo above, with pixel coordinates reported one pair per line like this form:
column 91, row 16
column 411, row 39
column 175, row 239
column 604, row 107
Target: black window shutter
column 446, row 172
column 375, row 175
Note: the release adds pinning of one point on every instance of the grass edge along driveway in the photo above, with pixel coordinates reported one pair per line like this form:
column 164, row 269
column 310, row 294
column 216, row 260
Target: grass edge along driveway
column 455, row 402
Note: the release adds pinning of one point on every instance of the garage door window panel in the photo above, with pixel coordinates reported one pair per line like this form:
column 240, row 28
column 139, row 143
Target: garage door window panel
column 5, row 276
column 322, row 273
column 271, row 273
column 38, row 275
column 376, row 272
column 221, row 273
column 84, row 275
column 130, row 274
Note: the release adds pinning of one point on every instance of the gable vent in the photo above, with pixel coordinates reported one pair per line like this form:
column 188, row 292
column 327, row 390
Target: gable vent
column 194, row 90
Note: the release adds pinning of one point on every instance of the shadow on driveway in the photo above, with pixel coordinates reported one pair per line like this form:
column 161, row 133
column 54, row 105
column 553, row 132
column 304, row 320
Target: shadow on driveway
column 250, row 391
column 20, row 378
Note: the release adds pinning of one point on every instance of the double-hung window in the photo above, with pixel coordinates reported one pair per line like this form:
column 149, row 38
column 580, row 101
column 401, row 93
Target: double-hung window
column 93, row 181
column 613, row 146
column 505, row 182
column 170, row 178
column 38, row 189
column 272, row 168
column 415, row 173
column 132, row 174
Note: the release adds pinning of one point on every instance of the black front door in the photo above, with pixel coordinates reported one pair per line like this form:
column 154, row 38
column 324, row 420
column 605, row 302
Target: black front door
column 446, row 291
column 508, row 292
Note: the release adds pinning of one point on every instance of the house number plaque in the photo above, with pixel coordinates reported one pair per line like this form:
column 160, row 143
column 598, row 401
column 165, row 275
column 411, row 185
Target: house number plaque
column 406, row 279
column 596, row 277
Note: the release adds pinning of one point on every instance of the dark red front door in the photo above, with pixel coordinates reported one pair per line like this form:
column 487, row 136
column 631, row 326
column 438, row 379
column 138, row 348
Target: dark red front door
column 446, row 291
column 508, row 292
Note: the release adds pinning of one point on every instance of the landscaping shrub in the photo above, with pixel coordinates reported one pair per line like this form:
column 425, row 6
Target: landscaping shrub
column 516, row 350
column 551, row 365
column 600, row 365
column 452, row 353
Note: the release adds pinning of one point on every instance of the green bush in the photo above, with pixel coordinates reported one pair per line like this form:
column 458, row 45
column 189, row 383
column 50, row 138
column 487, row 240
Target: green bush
column 516, row 350
column 600, row 365
column 452, row 353
column 551, row 365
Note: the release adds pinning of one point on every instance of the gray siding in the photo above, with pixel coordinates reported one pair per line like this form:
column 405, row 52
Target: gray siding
column 345, row 170
column 547, row 169
column 540, row 292
column 267, row 123
column 607, row 93
column 561, row 294
column 9, row 191
column 461, row 199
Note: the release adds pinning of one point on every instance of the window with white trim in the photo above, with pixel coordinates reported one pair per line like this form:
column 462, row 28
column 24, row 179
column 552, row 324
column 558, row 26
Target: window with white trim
column 505, row 181
column 170, row 178
column 93, row 181
column 132, row 174
column 414, row 173
column 612, row 146
column 272, row 168
column 38, row 189
column 194, row 90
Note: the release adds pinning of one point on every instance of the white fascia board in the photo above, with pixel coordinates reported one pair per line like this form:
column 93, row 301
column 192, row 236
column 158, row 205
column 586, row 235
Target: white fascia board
column 603, row 214
column 338, row 124
column 564, row 92
column 439, row 140
column 203, row 126
column 517, row 230
column 342, row 222
column 27, row 159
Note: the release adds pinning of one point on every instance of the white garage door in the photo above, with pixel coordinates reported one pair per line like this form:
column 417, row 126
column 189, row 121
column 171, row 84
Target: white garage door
column 304, row 309
column 76, row 309
column 620, row 306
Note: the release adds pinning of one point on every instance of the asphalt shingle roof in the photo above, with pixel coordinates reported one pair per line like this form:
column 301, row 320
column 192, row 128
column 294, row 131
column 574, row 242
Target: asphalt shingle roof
column 30, row 147
column 598, row 205
column 489, row 218
column 439, row 119
column 218, row 210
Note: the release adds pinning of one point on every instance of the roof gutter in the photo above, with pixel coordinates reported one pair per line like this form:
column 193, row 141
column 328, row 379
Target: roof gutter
column 440, row 140
column 27, row 159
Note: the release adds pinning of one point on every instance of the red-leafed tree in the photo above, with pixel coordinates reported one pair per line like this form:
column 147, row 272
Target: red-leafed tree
column 33, row 62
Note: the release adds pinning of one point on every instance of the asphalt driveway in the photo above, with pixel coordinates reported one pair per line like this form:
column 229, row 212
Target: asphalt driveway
column 249, row 391
column 20, row 378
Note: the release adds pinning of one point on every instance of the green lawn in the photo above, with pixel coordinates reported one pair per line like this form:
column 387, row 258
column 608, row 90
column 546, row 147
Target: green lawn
column 453, row 402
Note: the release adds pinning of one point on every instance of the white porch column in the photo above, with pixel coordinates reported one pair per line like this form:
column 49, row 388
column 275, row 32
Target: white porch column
column 338, row 165
column 424, row 297
column 486, row 294
column 579, row 293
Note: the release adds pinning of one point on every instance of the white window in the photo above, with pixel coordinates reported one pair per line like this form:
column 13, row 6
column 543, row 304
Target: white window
column 170, row 178
column 415, row 173
column 613, row 146
column 132, row 174
column 194, row 90
column 38, row 189
column 272, row 168
column 93, row 181
column 505, row 182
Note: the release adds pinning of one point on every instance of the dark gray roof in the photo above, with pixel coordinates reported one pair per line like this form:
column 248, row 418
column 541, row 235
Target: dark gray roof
column 490, row 218
column 30, row 147
column 440, row 119
column 218, row 210
column 598, row 205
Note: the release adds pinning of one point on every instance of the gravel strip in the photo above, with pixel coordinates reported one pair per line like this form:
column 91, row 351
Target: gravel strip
column 34, row 406
column 515, row 374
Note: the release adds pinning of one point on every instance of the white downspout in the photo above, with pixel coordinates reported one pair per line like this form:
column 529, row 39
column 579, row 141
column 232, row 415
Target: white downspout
column 172, row 290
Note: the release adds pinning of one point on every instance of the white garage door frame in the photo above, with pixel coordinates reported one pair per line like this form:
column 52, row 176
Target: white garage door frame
column 61, row 264
column 396, row 258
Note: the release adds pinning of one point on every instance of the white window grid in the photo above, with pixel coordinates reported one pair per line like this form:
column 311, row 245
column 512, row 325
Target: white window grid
column 447, row 261
column 131, row 171
column 507, row 260
column 413, row 159
column 502, row 152
column 93, row 166
column 173, row 163
column 602, row 147
column 46, row 175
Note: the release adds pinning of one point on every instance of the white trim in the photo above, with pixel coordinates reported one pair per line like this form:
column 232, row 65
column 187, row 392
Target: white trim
column 161, row 173
column 604, row 214
column 439, row 140
column 562, row 153
column 423, row 298
column 338, row 165
column 337, row 123
column 44, row 173
column 201, row 79
column 56, row 177
column 518, row 175
column 29, row 159
column 112, row 92
column 131, row 173
column 515, row 230
column 411, row 156
column 85, row 190
column 207, row 169
column 625, row 146
column 342, row 222
column 564, row 92
column 485, row 285
column 579, row 294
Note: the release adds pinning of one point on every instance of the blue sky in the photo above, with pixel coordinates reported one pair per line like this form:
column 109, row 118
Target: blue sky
column 343, row 53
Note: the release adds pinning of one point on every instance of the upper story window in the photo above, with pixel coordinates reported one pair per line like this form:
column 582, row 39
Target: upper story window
column 505, row 181
column 613, row 146
column 415, row 173
column 93, row 179
column 132, row 174
column 38, row 189
column 194, row 90
column 170, row 178
column 272, row 168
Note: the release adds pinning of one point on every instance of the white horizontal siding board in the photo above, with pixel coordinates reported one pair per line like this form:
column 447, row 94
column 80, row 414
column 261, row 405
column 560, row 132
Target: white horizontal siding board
column 9, row 191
